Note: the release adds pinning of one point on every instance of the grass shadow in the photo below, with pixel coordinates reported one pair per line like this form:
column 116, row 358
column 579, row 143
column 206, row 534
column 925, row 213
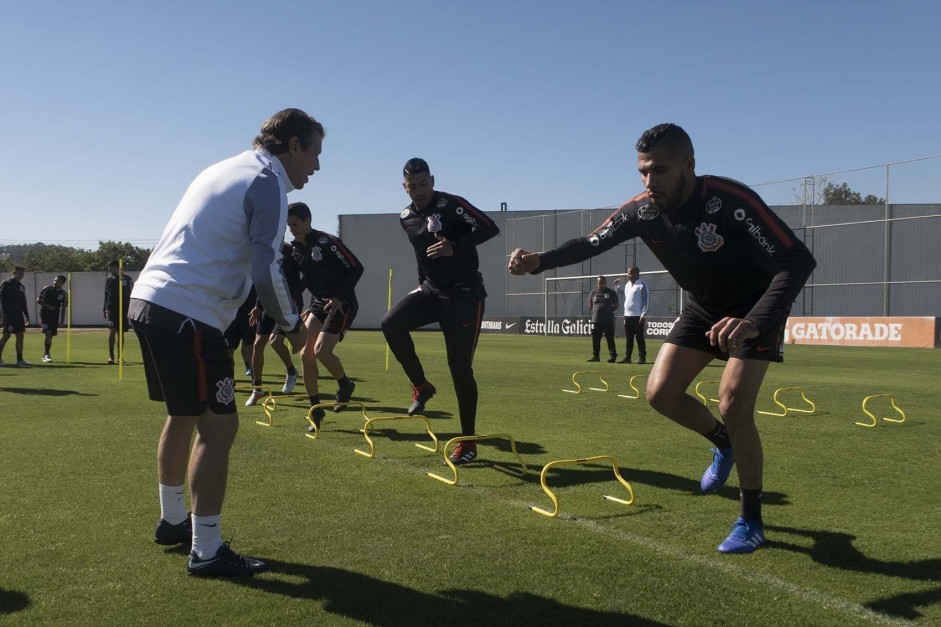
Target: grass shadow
column 835, row 550
column 373, row 601
column 44, row 392
column 12, row 601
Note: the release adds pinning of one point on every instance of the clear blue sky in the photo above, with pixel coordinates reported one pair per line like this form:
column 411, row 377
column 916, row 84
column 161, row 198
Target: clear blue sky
column 109, row 109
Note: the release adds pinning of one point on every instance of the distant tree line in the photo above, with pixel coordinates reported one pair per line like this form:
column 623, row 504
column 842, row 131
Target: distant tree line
column 41, row 257
column 843, row 194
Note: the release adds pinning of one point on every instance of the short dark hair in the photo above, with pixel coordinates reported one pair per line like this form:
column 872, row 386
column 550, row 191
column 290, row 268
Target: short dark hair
column 603, row 278
column 113, row 263
column 15, row 268
column 282, row 126
column 60, row 278
column 299, row 210
column 669, row 134
column 415, row 165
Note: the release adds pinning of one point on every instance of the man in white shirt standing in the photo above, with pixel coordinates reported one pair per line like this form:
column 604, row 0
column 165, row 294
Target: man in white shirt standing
column 636, row 298
column 225, row 235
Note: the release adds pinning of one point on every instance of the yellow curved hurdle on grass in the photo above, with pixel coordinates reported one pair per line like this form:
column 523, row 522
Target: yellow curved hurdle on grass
column 785, row 408
column 581, row 460
column 578, row 388
column 891, row 397
column 324, row 406
column 372, row 446
column 633, row 387
column 475, row 438
column 270, row 404
column 702, row 397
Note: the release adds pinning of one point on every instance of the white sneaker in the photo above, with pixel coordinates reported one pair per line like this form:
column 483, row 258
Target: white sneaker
column 46, row 359
column 290, row 381
column 22, row 363
column 254, row 398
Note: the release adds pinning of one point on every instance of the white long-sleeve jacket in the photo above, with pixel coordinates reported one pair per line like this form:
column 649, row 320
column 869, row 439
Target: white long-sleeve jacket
column 224, row 235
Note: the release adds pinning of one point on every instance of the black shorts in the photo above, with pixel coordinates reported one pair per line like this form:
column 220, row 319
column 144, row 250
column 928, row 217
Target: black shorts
column 334, row 322
column 49, row 320
column 186, row 362
column 239, row 331
column 267, row 326
column 14, row 324
column 113, row 320
column 691, row 327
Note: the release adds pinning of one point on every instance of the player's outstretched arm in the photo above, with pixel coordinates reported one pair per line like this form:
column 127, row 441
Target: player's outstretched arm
column 523, row 262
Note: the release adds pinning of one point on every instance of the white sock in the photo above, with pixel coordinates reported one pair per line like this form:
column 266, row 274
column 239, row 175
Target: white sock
column 172, row 507
column 207, row 535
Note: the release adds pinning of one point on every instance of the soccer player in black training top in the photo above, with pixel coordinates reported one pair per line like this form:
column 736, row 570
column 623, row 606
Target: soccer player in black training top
column 112, row 311
column 14, row 313
column 329, row 271
column 267, row 330
column 445, row 231
column 53, row 302
column 742, row 266
column 602, row 303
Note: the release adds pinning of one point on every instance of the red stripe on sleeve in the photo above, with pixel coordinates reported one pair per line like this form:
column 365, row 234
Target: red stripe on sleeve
column 763, row 212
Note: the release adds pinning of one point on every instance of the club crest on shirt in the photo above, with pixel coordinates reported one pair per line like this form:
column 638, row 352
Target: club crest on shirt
column 648, row 212
column 714, row 205
column 434, row 222
column 225, row 391
column 405, row 212
column 323, row 239
column 442, row 202
column 316, row 253
column 709, row 240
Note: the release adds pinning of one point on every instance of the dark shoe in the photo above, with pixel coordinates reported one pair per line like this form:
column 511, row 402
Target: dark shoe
column 421, row 395
column 344, row 394
column 612, row 359
column 317, row 417
column 464, row 453
column 593, row 359
column 167, row 534
column 225, row 563
column 642, row 361
column 626, row 360
column 111, row 361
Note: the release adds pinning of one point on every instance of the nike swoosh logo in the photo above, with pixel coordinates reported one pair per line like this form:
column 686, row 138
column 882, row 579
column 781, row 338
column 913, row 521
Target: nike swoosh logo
column 762, row 349
column 202, row 564
column 212, row 525
column 510, row 326
column 465, row 324
column 658, row 241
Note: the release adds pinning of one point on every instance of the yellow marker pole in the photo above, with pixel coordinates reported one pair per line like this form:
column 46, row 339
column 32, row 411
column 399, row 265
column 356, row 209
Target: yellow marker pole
column 388, row 307
column 68, row 329
column 120, row 320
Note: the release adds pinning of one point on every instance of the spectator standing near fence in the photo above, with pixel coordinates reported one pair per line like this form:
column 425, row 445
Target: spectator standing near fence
column 636, row 299
column 602, row 302
column 118, row 288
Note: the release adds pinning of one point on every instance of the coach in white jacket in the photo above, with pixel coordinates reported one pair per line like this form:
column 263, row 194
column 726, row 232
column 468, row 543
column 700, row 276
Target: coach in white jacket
column 225, row 235
column 636, row 299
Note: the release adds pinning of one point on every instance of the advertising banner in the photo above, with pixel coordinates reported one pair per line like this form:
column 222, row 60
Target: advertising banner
column 914, row 332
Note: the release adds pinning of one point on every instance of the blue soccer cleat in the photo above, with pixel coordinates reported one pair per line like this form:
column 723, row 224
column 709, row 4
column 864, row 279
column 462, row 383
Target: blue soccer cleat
column 718, row 472
column 746, row 536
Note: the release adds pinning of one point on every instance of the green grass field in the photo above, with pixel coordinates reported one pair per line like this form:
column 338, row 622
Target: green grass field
column 852, row 513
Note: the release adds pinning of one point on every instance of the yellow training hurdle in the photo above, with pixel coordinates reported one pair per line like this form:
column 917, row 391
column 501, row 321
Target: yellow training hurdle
column 310, row 412
column 372, row 446
column 705, row 400
column 631, row 383
column 475, row 438
column 578, row 388
column 270, row 404
column 891, row 398
column 581, row 460
column 785, row 408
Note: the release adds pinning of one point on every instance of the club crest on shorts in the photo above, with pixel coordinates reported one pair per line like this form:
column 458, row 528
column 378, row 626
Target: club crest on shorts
column 316, row 254
column 434, row 223
column 709, row 240
column 225, row 391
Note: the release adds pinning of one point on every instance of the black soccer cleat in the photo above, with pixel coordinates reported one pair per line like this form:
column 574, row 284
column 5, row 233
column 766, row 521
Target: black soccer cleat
column 421, row 395
column 344, row 394
column 318, row 416
column 168, row 534
column 225, row 563
column 592, row 359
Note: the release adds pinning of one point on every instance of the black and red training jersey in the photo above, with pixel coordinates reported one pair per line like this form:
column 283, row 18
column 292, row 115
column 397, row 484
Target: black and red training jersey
column 462, row 224
column 328, row 268
column 724, row 246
